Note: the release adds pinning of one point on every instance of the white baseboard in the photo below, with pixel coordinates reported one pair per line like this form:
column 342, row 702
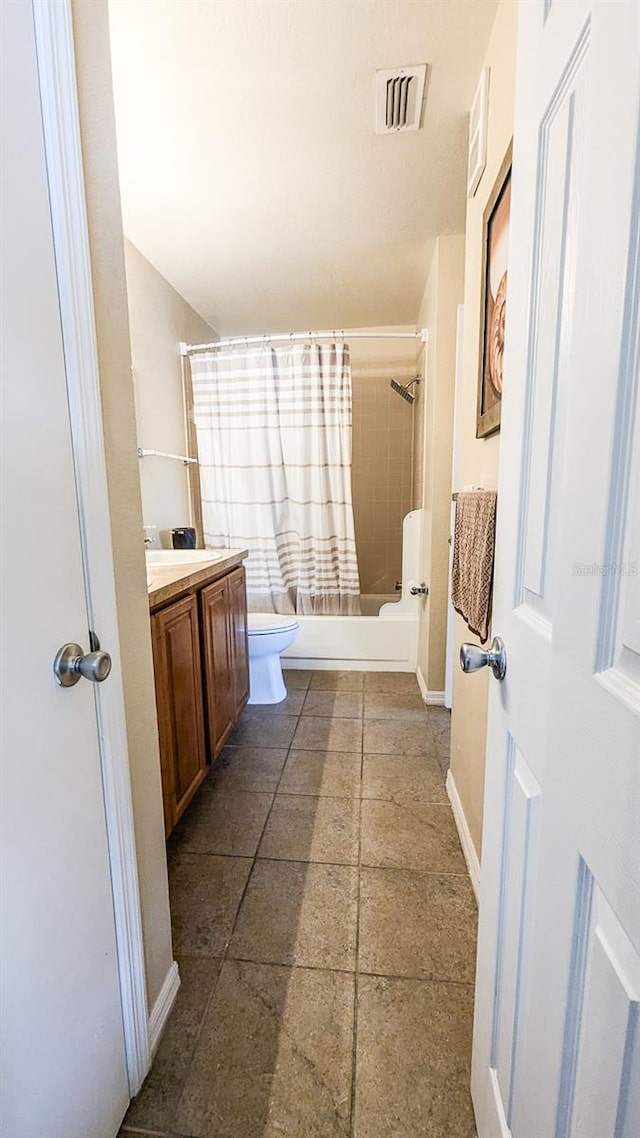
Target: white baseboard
column 161, row 1009
column 315, row 664
column 434, row 698
column 468, row 848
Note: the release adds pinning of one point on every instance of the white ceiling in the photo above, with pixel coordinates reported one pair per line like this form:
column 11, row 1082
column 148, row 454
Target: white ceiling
column 251, row 174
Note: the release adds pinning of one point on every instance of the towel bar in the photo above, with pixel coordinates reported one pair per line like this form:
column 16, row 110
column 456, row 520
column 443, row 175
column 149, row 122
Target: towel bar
column 164, row 454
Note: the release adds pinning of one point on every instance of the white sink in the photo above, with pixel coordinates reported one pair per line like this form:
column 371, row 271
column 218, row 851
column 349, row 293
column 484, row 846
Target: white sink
column 171, row 557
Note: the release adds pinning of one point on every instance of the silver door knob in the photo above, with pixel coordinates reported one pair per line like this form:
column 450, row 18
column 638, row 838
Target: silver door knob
column 473, row 657
column 71, row 664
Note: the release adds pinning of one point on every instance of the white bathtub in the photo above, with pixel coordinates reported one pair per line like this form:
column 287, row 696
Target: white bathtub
column 371, row 603
column 384, row 643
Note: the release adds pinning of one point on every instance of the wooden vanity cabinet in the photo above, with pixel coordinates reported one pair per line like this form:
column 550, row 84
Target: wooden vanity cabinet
column 201, row 667
column 178, row 679
column 223, row 608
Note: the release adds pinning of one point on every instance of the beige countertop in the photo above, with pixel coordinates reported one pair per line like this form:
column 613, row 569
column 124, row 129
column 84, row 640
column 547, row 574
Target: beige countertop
column 166, row 583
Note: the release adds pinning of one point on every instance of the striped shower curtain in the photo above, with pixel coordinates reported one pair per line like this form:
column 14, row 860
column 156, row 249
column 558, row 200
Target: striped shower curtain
column 274, row 442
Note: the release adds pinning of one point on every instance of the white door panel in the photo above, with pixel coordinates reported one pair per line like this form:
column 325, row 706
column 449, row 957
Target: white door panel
column 609, row 993
column 64, row 1073
column 557, row 1003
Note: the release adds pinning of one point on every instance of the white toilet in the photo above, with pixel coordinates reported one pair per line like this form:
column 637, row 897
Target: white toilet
column 269, row 634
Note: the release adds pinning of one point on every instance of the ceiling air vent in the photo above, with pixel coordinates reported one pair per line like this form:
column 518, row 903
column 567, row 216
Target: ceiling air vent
column 399, row 93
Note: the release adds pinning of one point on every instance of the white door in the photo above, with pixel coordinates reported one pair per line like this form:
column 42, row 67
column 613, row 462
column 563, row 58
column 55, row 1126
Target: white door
column 556, row 1044
column 62, row 1046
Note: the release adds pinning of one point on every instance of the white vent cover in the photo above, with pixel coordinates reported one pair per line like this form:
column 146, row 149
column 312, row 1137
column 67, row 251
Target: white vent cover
column 399, row 93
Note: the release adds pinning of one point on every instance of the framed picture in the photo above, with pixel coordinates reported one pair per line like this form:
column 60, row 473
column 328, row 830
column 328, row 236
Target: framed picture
column 493, row 305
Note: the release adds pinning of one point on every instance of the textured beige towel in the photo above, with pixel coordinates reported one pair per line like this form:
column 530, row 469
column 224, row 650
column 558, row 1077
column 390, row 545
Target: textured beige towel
column 473, row 543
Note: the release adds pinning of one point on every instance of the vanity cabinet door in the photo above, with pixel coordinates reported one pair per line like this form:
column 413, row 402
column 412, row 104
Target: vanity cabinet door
column 239, row 642
column 178, row 678
column 218, row 679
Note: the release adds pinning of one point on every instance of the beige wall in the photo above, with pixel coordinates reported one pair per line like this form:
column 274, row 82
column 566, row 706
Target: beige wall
column 159, row 320
column 479, row 457
column 90, row 23
column 382, row 458
column 432, row 444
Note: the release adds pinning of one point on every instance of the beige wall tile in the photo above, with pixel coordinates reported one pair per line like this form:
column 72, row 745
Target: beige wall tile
column 382, row 457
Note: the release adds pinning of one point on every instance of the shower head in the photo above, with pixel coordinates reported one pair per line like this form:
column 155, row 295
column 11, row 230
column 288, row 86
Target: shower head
column 404, row 390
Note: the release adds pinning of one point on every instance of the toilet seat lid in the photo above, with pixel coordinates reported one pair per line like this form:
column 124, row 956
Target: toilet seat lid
column 261, row 623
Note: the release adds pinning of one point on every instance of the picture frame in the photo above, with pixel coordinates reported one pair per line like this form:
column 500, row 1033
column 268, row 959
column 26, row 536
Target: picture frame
column 493, row 300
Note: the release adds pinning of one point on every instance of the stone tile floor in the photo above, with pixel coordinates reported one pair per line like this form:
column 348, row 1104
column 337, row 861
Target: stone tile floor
column 324, row 927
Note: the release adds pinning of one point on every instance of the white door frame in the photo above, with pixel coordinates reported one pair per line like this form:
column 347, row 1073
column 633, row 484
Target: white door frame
column 450, row 661
column 61, row 123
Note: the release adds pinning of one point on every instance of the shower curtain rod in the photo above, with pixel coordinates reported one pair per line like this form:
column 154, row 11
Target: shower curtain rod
column 273, row 337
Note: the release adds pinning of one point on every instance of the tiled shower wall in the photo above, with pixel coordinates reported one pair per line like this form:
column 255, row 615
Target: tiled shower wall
column 382, row 457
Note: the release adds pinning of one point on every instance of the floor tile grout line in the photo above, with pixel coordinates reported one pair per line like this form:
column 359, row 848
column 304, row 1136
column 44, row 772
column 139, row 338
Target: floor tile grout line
column 144, row 1133
column 362, row 798
column 160, row 1133
column 344, row 797
column 397, row 715
column 294, row 861
column 181, row 1134
column 248, row 744
column 232, row 789
column 254, row 856
column 411, row 802
column 225, row 953
column 333, row 864
column 354, row 1055
column 198, row 1033
column 293, row 966
column 377, row 975
column 420, row 872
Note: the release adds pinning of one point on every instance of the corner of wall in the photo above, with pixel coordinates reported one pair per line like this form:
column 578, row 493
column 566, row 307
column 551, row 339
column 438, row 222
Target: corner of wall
column 93, row 74
column 159, row 320
column 438, row 312
column 478, row 458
